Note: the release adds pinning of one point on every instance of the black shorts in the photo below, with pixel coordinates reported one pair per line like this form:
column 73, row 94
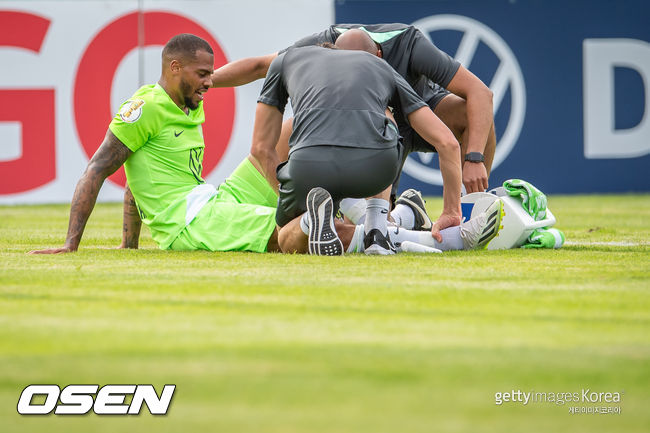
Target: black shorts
column 342, row 171
column 411, row 140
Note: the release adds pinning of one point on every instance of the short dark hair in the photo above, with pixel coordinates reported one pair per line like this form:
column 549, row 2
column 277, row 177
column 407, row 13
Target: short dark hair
column 186, row 45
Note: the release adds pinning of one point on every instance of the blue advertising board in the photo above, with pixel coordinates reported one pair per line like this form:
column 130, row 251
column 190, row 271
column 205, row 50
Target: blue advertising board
column 571, row 83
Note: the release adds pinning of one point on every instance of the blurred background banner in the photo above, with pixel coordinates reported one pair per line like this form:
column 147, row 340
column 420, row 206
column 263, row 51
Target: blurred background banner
column 571, row 82
column 70, row 64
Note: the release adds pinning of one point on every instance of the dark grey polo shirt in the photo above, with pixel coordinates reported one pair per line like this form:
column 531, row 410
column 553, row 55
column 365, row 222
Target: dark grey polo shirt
column 404, row 47
column 338, row 97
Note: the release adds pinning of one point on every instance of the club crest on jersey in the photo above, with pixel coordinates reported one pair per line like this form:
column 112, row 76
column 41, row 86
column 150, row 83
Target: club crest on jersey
column 131, row 111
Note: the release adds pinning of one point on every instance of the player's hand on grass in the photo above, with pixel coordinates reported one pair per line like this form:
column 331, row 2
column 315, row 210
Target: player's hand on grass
column 53, row 251
column 445, row 220
column 475, row 177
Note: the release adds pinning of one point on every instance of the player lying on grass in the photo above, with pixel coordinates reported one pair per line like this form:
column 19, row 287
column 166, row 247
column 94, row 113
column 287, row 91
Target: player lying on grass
column 460, row 99
column 156, row 135
column 344, row 144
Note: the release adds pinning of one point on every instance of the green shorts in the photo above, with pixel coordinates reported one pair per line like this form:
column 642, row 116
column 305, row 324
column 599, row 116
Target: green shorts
column 240, row 217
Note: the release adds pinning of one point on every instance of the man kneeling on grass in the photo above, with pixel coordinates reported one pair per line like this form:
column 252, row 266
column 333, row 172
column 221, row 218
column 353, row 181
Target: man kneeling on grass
column 157, row 136
column 345, row 143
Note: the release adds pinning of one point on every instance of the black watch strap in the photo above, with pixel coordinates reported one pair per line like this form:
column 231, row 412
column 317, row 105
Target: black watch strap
column 474, row 157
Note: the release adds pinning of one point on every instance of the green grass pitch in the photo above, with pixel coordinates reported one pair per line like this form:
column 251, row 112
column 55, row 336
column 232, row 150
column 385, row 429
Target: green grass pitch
column 270, row 343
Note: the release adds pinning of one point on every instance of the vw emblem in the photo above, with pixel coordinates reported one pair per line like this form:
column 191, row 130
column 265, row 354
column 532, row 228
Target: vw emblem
column 507, row 76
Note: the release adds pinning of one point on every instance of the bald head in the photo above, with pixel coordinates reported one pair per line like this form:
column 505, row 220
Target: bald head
column 355, row 39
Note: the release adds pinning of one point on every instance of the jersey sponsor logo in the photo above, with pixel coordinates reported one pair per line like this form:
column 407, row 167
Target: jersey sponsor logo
column 107, row 400
column 176, row 134
column 507, row 79
column 132, row 111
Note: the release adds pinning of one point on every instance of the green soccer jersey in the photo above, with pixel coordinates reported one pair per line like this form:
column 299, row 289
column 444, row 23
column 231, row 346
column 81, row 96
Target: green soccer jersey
column 167, row 158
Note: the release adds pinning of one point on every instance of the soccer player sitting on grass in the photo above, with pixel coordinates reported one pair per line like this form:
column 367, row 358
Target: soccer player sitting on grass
column 157, row 136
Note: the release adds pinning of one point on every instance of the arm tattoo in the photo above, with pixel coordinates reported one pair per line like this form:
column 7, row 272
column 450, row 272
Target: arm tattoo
column 132, row 222
column 109, row 157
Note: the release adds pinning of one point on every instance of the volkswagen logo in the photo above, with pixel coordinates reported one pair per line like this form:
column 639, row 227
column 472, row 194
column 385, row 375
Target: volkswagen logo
column 507, row 76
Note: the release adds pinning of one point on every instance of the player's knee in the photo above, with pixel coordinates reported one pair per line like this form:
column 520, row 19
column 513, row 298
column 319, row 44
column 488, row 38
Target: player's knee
column 460, row 117
column 273, row 245
column 284, row 242
column 291, row 239
column 453, row 112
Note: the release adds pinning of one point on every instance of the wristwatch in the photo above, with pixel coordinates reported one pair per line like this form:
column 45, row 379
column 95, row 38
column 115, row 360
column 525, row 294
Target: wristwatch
column 474, row 157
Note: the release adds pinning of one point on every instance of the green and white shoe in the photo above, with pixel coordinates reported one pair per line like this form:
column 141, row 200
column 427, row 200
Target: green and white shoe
column 480, row 230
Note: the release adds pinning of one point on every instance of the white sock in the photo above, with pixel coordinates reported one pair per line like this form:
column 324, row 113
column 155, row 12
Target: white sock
column 354, row 209
column 376, row 215
column 356, row 244
column 403, row 216
column 399, row 235
column 304, row 224
column 451, row 239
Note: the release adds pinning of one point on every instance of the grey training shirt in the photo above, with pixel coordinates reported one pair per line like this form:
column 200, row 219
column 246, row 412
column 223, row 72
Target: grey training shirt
column 338, row 97
column 403, row 46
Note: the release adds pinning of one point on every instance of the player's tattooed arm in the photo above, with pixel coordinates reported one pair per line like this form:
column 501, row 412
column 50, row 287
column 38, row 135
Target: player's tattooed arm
column 132, row 221
column 109, row 157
